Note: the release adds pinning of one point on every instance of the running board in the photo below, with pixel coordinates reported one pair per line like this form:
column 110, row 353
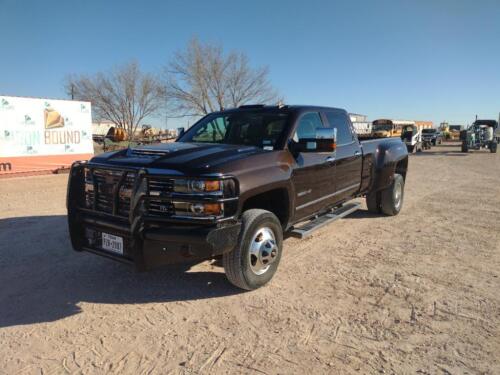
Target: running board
column 320, row 221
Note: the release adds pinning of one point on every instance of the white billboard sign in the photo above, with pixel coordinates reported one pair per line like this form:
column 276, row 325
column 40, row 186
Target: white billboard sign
column 43, row 127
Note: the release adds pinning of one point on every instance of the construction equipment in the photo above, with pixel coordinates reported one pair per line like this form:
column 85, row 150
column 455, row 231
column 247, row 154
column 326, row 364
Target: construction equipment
column 481, row 134
column 117, row 134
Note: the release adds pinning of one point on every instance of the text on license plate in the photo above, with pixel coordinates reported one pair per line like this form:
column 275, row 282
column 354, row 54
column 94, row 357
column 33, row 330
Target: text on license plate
column 112, row 243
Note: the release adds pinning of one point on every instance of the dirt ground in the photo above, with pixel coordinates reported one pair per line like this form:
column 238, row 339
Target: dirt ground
column 416, row 293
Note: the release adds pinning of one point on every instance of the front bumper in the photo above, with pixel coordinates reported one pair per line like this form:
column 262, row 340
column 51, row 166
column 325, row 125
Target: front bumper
column 148, row 241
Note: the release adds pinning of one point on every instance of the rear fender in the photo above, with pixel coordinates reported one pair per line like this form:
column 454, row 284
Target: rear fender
column 388, row 158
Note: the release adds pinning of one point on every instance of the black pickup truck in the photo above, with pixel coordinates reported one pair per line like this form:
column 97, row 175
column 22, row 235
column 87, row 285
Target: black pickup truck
column 232, row 186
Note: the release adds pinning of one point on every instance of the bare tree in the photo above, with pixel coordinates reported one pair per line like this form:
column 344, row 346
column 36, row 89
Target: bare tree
column 202, row 79
column 125, row 96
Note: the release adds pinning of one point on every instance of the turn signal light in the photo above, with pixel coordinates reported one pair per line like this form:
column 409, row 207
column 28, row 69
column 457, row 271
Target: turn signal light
column 213, row 209
column 213, row 185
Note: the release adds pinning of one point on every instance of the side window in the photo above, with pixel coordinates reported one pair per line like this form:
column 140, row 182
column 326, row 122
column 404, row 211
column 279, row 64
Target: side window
column 307, row 126
column 339, row 120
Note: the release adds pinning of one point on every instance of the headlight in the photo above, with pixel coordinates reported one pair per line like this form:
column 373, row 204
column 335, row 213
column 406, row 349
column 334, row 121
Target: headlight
column 198, row 186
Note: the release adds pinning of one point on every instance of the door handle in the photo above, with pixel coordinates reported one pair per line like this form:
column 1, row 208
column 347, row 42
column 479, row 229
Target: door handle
column 330, row 159
column 357, row 153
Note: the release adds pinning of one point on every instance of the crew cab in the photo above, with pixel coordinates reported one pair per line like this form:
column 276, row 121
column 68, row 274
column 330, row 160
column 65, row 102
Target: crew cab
column 231, row 186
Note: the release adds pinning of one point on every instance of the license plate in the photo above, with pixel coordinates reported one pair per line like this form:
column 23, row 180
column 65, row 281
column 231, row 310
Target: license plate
column 112, row 243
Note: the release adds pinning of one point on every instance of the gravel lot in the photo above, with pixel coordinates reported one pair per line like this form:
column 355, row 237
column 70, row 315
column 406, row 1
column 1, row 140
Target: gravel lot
column 415, row 293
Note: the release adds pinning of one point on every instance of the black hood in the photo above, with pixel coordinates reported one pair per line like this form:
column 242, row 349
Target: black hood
column 185, row 158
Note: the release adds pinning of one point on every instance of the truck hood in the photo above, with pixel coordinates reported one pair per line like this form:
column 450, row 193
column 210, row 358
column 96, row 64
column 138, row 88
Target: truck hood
column 184, row 158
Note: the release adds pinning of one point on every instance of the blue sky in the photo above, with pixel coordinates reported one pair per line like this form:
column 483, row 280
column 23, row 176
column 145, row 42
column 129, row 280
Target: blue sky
column 428, row 59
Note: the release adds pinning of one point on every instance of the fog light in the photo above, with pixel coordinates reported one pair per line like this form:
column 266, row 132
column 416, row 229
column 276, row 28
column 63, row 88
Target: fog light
column 198, row 209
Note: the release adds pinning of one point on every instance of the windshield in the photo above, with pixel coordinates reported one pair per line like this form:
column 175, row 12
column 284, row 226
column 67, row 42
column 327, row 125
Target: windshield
column 428, row 131
column 387, row 127
column 260, row 128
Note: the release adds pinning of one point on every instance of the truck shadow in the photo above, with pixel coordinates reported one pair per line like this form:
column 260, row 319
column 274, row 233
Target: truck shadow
column 361, row 214
column 44, row 280
column 434, row 153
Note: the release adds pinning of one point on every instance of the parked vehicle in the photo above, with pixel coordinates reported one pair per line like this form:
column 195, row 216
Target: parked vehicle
column 412, row 137
column 497, row 130
column 481, row 134
column 432, row 135
column 232, row 186
column 383, row 128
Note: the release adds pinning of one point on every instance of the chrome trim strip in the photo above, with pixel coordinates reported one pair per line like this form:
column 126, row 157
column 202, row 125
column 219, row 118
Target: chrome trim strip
column 327, row 196
column 305, row 192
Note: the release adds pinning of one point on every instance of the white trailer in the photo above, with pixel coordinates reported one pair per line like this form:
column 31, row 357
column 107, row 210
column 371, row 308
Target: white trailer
column 362, row 128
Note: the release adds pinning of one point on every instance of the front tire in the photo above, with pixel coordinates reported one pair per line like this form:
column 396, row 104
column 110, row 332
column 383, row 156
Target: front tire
column 392, row 198
column 465, row 147
column 255, row 259
column 373, row 202
column 493, row 147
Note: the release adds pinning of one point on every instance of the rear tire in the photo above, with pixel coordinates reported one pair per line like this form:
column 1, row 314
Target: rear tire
column 465, row 147
column 255, row 259
column 392, row 197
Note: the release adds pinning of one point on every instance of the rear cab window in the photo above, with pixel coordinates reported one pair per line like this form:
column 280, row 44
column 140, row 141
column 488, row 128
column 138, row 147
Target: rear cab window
column 340, row 120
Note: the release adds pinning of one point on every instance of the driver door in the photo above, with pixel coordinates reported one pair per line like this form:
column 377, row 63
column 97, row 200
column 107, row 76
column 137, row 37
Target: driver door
column 313, row 174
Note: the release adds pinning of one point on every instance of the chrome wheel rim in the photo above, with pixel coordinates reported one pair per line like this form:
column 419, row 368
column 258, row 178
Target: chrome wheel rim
column 398, row 194
column 263, row 251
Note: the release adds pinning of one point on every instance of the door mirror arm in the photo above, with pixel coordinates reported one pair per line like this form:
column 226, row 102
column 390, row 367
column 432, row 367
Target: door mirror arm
column 180, row 132
column 294, row 148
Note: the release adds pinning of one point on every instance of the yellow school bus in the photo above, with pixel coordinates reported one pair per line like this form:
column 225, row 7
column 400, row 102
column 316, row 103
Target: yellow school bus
column 383, row 128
